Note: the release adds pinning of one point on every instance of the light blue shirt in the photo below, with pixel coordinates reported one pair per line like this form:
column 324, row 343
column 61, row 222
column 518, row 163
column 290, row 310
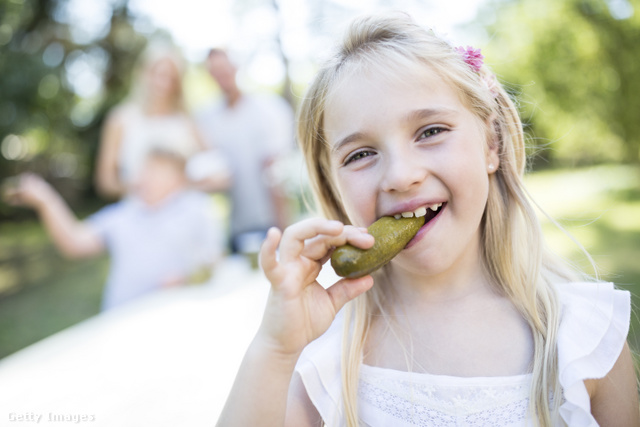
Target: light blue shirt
column 149, row 245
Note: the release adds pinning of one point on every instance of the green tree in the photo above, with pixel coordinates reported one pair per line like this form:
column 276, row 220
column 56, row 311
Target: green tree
column 574, row 66
column 58, row 81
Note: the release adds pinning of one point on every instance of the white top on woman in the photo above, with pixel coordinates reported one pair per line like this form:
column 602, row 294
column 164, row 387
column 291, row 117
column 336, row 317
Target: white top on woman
column 142, row 133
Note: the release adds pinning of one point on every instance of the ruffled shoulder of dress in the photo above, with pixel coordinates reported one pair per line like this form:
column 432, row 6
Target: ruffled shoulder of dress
column 319, row 369
column 593, row 330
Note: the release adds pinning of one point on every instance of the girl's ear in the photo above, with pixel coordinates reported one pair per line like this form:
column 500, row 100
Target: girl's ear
column 493, row 160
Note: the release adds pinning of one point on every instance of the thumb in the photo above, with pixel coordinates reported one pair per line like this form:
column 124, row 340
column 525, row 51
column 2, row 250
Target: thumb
column 345, row 290
column 268, row 252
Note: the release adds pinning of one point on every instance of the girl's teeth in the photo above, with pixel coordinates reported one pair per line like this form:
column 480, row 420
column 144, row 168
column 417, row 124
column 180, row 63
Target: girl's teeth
column 421, row 212
column 418, row 212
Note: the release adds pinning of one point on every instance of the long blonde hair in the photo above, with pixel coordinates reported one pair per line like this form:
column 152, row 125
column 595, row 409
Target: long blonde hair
column 153, row 54
column 512, row 248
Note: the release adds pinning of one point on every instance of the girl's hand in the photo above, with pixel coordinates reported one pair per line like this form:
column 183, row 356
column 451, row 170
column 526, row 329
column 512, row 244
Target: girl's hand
column 299, row 309
column 28, row 190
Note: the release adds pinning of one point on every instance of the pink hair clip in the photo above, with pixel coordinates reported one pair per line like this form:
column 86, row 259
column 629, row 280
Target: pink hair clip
column 472, row 57
column 475, row 60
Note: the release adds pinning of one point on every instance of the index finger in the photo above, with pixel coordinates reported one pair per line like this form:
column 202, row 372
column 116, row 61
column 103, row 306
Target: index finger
column 320, row 247
column 293, row 239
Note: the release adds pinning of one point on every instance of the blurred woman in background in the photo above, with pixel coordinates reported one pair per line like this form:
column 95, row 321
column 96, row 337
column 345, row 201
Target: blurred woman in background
column 153, row 113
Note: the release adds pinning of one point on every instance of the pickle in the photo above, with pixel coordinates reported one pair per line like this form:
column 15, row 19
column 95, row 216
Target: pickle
column 391, row 236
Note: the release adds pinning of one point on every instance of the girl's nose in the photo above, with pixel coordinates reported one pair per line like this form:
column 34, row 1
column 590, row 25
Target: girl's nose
column 403, row 171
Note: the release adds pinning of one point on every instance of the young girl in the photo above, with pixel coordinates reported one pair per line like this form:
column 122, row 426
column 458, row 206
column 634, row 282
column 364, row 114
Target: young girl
column 474, row 323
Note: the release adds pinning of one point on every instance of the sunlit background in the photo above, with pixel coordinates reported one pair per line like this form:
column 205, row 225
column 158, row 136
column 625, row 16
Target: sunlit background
column 573, row 65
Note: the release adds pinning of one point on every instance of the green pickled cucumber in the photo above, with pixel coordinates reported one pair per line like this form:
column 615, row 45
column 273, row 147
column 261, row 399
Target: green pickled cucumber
column 391, row 236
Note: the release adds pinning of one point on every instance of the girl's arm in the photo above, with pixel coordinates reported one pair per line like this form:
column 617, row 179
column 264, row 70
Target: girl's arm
column 71, row 237
column 300, row 409
column 298, row 311
column 107, row 178
column 614, row 398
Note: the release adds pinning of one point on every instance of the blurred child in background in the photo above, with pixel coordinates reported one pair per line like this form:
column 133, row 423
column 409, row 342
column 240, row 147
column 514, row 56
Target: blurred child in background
column 157, row 237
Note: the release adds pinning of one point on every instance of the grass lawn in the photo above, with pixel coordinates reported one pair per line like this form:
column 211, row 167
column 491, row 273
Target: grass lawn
column 600, row 206
column 42, row 293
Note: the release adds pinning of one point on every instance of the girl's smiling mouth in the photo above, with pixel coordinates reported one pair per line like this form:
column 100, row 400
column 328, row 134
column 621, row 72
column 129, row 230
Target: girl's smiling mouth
column 432, row 212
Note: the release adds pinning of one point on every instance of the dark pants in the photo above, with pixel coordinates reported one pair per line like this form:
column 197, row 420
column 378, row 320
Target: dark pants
column 247, row 242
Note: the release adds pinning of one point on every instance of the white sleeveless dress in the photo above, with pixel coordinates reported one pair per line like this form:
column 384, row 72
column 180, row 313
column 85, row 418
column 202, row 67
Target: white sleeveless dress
column 593, row 329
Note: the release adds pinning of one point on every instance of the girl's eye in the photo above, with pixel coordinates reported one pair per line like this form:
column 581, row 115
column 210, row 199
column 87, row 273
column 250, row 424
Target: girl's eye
column 431, row 132
column 358, row 156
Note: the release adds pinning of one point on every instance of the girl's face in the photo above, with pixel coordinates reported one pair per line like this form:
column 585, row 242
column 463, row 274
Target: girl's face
column 401, row 144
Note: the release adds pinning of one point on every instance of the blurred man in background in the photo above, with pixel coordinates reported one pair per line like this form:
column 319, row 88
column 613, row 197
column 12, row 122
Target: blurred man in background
column 253, row 132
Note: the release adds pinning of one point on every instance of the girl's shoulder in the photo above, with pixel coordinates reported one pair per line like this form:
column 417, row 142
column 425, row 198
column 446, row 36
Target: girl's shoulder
column 592, row 332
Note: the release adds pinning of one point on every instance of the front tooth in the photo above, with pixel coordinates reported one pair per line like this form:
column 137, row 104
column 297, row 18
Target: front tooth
column 435, row 206
column 421, row 211
column 407, row 214
column 397, row 216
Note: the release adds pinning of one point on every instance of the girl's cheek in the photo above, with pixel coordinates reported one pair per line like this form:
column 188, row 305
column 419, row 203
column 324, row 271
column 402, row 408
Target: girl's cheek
column 358, row 200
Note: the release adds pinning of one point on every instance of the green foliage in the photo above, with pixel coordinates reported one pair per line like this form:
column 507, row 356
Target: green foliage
column 49, row 120
column 40, row 291
column 50, row 124
column 600, row 207
column 574, row 67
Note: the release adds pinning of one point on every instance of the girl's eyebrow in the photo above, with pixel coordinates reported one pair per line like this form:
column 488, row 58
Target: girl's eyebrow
column 413, row 116
column 426, row 113
column 350, row 138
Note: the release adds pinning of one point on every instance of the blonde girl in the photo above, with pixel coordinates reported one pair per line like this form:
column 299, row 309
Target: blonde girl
column 474, row 323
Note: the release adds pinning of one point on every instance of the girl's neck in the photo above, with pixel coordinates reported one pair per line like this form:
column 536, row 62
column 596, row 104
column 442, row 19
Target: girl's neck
column 454, row 323
column 440, row 296
column 465, row 278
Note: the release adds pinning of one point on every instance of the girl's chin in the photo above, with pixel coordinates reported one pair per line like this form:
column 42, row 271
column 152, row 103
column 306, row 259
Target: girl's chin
column 416, row 267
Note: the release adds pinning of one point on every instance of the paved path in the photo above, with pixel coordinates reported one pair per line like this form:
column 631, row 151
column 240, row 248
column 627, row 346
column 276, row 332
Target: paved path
column 166, row 360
